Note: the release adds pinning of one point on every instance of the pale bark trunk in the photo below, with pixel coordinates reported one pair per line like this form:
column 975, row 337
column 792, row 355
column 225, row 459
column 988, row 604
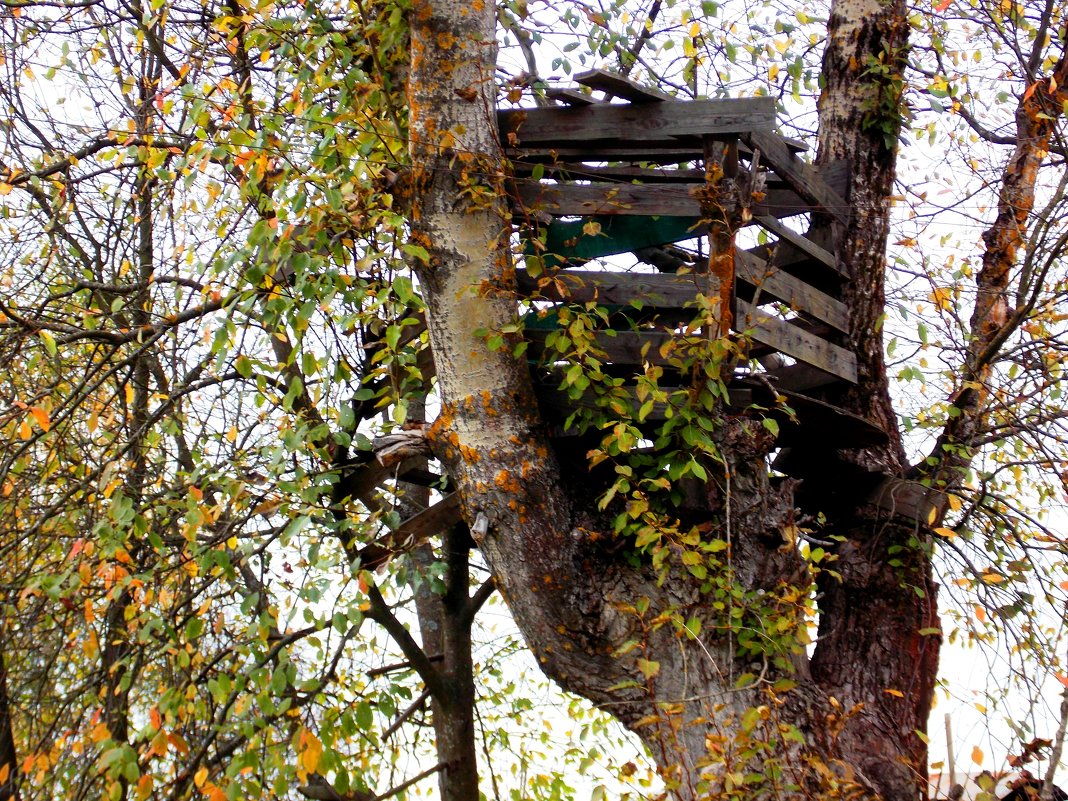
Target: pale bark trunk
column 573, row 596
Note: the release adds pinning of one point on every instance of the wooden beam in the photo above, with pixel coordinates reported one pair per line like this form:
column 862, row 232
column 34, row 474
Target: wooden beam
column 771, row 283
column 909, row 499
column 781, row 336
column 571, row 97
column 806, row 246
column 656, row 200
column 805, row 180
column 657, row 291
column 435, row 519
column 618, row 86
column 636, row 123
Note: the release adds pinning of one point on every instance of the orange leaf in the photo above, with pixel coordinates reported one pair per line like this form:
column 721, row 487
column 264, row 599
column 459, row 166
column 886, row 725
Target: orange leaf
column 942, row 5
column 977, row 755
column 5, row 771
column 156, row 718
column 42, row 418
column 1062, row 678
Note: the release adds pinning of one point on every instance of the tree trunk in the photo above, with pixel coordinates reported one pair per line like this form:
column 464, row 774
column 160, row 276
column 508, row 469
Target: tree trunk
column 712, row 673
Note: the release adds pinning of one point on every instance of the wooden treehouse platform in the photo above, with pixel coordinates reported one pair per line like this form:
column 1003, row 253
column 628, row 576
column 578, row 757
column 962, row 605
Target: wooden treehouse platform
column 596, row 179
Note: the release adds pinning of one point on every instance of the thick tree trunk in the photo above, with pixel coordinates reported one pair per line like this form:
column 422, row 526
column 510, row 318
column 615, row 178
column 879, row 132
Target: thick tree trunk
column 712, row 675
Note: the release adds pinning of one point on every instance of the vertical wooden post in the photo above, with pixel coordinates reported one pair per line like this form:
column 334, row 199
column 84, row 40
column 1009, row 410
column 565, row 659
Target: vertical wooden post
column 717, row 206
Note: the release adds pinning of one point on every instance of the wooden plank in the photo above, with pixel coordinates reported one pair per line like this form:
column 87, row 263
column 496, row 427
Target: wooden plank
column 909, row 499
column 571, row 97
column 618, row 347
column 803, row 378
column 437, row 518
column 618, row 86
column 580, row 200
column 801, row 176
column 636, row 123
column 656, row 291
column 771, row 283
column 649, row 199
column 806, row 246
column 666, row 152
column 663, row 291
column 783, row 337
column 577, row 171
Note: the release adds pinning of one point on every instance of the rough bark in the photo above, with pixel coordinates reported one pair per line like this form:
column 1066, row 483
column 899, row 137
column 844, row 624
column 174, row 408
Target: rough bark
column 594, row 620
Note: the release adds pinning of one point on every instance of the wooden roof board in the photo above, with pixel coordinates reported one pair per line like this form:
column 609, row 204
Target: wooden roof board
column 641, row 123
column 619, row 86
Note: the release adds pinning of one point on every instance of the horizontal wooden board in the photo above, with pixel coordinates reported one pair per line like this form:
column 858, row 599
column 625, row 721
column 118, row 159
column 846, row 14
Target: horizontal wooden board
column 679, row 291
column 658, row 291
column 675, row 199
column 635, row 123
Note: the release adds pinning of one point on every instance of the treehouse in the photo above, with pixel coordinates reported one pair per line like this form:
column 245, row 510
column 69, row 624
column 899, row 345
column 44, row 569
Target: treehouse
column 604, row 192
column 599, row 180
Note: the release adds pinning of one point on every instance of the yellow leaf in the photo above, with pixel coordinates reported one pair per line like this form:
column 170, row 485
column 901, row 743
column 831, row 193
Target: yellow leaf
column 200, row 777
column 948, row 533
column 977, row 755
column 895, row 693
column 144, row 786
column 25, row 430
column 5, row 188
column 311, row 750
column 129, row 393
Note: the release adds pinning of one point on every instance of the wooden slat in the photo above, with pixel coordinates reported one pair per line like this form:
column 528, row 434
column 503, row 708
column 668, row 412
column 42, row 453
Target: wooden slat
column 783, row 337
column 637, row 123
column 437, row 518
column 664, row 291
column 650, row 199
column 909, row 499
column 586, row 199
column 804, row 179
column 669, row 151
column 657, row 291
column 802, row 378
column 807, row 246
column 774, row 284
column 619, row 86
column 577, row 171
column 620, row 347
column 571, row 97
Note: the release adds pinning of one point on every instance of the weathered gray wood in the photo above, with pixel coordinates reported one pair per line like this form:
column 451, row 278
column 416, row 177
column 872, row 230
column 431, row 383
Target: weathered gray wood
column 807, row 246
column 619, row 86
column 909, row 499
column 783, row 337
column 804, row 179
column 657, row 291
column 771, row 283
column 666, row 290
column 799, row 377
column 571, row 97
column 637, row 123
column 437, row 518
column 668, row 151
column 577, row 171
column 585, row 199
